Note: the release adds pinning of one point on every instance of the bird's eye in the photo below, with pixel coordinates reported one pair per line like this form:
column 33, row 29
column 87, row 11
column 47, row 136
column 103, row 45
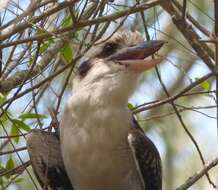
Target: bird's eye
column 84, row 68
column 108, row 49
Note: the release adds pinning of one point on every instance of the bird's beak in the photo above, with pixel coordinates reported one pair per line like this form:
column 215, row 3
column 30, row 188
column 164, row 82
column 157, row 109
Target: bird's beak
column 134, row 57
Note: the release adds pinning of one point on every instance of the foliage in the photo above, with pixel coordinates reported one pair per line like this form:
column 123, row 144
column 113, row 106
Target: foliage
column 39, row 51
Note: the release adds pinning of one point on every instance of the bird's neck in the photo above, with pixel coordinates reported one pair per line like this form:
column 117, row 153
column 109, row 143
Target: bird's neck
column 99, row 98
column 99, row 107
column 99, row 119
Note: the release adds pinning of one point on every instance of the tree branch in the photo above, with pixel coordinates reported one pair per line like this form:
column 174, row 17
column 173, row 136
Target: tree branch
column 17, row 170
column 13, row 29
column 216, row 51
column 191, row 180
column 84, row 23
column 17, row 78
column 190, row 35
column 144, row 107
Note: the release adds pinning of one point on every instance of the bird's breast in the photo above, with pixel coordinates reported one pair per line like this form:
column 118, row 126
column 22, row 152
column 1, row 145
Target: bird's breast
column 95, row 149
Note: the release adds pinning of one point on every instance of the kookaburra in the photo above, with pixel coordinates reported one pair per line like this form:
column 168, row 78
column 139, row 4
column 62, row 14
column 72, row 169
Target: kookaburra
column 102, row 146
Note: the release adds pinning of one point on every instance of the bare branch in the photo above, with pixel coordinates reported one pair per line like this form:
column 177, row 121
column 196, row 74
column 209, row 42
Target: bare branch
column 216, row 51
column 190, row 35
column 17, row 78
column 191, row 180
column 11, row 30
column 12, row 151
column 144, row 107
column 17, row 170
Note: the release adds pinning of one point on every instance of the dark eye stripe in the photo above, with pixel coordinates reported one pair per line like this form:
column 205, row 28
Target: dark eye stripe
column 84, row 68
column 108, row 49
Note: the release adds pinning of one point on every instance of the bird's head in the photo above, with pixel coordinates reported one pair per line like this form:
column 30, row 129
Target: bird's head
column 110, row 70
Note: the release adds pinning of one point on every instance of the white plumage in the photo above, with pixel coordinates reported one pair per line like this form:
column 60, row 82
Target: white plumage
column 96, row 122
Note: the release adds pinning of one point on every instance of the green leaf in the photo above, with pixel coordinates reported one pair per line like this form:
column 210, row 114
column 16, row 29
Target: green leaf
column 75, row 35
column 2, row 167
column 42, row 49
column 9, row 165
column 15, row 132
column 32, row 116
column 4, row 117
column 206, row 85
column 32, row 58
column 45, row 46
column 130, row 106
column 18, row 180
column 67, row 21
column 67, row 53
column 21, row 124
column 2, row 98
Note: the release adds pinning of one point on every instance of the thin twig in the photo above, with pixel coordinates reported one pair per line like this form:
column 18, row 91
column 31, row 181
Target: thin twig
column 84, row 23
column 144, row 107
column 185, row 127
column 184, row 9
column 216, row 52
column 13, row 151
column 191, row 36
column 195, row 109
column 19, row 157
column 17, row 170
column 6, row 33
column 192, row 20
column 191, row 180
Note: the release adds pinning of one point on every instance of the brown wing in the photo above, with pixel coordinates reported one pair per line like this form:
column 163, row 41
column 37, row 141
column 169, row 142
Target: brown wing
column 147, row 158
column 46, row 160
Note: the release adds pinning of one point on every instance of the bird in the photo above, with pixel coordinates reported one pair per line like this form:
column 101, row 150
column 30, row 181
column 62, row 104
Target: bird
column 102, row 145
column 46, row 160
